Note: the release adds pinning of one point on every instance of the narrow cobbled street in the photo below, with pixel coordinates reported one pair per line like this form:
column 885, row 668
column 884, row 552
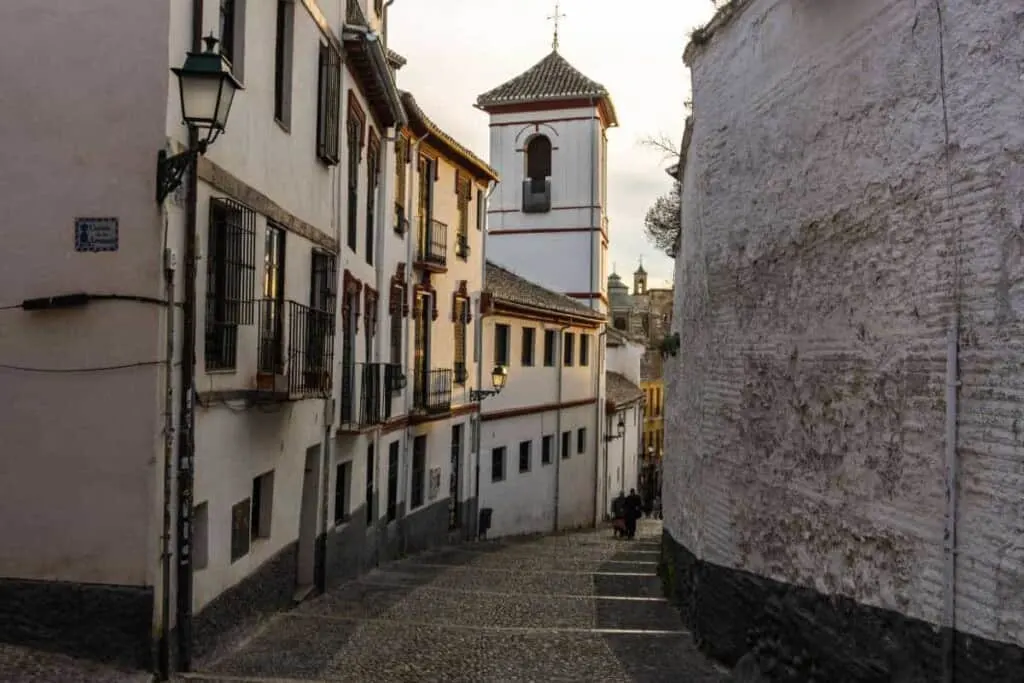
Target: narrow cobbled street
column 570, row 607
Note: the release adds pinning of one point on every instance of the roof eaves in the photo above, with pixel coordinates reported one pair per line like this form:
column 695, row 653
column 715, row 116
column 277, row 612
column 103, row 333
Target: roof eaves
column 370, row 42
column 417, row 115
column 570, row 307
column 722, row 18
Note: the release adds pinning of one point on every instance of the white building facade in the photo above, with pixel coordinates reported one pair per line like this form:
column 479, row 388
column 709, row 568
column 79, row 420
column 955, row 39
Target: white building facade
column 540, row 437
column 331, row 290
column 624, row 416
column 843, row 465
column 549, row 141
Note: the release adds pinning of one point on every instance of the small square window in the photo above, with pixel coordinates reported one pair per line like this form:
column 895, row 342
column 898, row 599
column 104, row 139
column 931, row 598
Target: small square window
column 262, row 505
column 525, row 456
column 240, row 531
column 498, row 464
column 200, row 536
column 529, row 336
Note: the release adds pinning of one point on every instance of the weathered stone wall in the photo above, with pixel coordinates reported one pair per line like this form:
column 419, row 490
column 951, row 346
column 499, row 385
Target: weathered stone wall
column 843, row 154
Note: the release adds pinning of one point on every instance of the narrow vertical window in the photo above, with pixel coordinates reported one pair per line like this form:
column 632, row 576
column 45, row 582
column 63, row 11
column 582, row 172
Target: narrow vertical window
column 328, row 127
column 230, row 280
column 526, row 353
column 568, row 349
column 372, row 183
column 464, row 192
column 283, row 49
column 501, row 339
column 460, row 321
column 549, row 348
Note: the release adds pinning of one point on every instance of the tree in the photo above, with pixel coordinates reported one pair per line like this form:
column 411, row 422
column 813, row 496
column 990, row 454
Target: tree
column 663, row 221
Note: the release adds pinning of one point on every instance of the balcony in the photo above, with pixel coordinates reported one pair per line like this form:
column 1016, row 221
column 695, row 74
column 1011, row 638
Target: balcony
column 295, row 351
column 365, row 395
column 432, row 392
column 536, row 195
column 432, row 247
column 401, row 225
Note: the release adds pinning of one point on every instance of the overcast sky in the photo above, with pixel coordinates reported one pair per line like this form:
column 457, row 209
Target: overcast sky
column 458, row 49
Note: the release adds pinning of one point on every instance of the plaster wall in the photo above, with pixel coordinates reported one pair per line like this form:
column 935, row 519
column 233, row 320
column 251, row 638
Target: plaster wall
column 625, row 360
column 842, row 154
column 524, row 502
column 537, row 250
column 622, row 462
column 79, row 469
column 530, row 386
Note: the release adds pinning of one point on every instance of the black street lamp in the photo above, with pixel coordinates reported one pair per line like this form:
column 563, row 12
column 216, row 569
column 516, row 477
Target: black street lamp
column 207, row 89
column 620, row 430
column 498, row 378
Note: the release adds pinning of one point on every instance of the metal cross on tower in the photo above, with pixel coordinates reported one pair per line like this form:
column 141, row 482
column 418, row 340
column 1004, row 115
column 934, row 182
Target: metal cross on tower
column 556, row 17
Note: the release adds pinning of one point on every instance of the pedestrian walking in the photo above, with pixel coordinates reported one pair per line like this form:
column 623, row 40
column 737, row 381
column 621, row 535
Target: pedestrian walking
column 619, row 515
column 634, row 507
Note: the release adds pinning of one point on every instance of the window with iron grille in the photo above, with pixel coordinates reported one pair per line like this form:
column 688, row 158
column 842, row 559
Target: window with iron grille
column 460, row 318
column 271, row 348
column 372, row 182
column 230, row 278
column 328, row 126
column 419, row 471
column 323, row 297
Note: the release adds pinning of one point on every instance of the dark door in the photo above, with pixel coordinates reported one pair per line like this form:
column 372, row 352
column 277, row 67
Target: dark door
column 454, row 520
column 421, row 350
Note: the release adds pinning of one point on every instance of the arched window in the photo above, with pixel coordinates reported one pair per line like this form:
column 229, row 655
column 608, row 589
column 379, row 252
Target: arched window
column 536, row 186
column 538, row 161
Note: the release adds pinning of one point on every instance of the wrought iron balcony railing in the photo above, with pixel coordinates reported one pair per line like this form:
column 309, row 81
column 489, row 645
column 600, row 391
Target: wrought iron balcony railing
column 432, row 391
column 432, row 249
column 365, row 398
column 295, row 350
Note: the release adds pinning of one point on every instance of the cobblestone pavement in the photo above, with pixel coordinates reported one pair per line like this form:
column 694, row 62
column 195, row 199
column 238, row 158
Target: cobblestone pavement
column 571, row 607
column 27, row 665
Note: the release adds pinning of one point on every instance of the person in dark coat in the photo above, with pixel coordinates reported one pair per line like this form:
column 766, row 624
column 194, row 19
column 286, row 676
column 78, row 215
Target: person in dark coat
column 619, row 514
column 634, row 508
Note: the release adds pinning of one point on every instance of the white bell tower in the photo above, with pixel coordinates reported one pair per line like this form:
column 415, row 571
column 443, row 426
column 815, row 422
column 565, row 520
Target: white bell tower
column 548, row 217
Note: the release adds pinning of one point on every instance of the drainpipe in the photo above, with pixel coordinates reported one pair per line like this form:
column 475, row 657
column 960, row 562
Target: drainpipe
column 413, row 178
column 168, row 524
column 478, row 342
column 558, row 422
column 186, row 420
column 598, row 426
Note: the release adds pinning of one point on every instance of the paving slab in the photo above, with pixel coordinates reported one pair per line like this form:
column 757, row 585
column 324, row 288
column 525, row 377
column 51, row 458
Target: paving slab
column 567, row 607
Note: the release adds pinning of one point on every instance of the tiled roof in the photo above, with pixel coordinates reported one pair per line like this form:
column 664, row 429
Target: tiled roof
column 616, row 337
column 396, row 60
column 552, row 78
column 619, row 390
column 506, row 286
column 421, row 123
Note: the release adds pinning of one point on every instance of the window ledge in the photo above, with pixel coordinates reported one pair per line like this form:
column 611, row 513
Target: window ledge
column 283, row 126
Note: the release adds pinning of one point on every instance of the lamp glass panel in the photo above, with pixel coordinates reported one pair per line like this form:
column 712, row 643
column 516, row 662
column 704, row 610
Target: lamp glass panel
column 199, row 93
column 227, row 96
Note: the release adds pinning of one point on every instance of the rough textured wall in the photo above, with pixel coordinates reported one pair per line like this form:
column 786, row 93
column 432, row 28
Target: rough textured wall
column 823, row 209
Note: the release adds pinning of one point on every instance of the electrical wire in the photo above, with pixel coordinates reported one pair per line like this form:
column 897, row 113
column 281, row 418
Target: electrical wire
column 98, row 368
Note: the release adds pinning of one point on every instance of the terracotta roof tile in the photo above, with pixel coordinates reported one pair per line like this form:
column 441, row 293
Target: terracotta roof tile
column 619, row 390
column 505, row 285
column 421, row 123
column 552, row 78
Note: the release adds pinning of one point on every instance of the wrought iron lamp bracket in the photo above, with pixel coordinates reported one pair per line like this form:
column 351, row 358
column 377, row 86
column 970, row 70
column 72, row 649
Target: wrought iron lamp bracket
column 170, row 169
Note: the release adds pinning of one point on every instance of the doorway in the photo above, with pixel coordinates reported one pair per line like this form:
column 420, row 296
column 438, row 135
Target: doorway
column 306, row 570
column 454, row 518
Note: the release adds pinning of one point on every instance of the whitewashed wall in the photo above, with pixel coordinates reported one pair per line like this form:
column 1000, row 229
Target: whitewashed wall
column 806, row 407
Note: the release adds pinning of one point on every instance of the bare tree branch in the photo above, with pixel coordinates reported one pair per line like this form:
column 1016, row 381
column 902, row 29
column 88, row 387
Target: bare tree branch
column 662, row 143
